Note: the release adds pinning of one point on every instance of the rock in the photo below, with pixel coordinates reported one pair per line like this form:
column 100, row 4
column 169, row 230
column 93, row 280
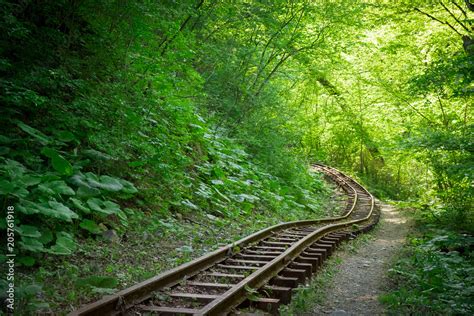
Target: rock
column 340, row 312
column 111, row 236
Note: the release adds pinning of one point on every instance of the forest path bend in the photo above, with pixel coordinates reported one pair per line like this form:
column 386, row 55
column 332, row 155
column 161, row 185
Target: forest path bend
column 362, row 276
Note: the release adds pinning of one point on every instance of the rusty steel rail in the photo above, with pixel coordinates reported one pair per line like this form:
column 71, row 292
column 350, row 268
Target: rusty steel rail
column 236, row 295
column 297, row 236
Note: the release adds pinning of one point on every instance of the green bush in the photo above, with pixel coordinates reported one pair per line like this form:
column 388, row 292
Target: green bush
column 44, row 178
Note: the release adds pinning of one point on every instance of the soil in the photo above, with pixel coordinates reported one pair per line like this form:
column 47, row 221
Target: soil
column 362, row 276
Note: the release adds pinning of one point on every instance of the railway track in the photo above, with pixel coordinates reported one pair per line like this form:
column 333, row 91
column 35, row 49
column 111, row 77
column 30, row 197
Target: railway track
column 254, row 273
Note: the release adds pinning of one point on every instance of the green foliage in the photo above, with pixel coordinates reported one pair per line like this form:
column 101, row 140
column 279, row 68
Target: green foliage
column 109, row 90
column 98, row 284
column 395, row 105
column 48, row 193
column 212, row 109
column 27, row 297
column 90, row 226
column 435, row 277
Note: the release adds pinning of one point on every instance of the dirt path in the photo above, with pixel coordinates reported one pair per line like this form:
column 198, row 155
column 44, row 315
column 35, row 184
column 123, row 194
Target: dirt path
column 361, row 276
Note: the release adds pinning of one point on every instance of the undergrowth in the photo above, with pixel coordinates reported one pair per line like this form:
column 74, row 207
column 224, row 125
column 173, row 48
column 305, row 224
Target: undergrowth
column 115, row 158
column 433, row 274
column 109, row 234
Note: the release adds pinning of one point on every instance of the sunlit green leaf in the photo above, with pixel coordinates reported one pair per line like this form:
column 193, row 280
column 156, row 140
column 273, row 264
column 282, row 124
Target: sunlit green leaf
column 28, row 231
column 43, row 139
column 90, row 226
column 56, row 187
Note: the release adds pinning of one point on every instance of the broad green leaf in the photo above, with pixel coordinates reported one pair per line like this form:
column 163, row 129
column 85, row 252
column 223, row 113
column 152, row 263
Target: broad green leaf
column 104, row 207
column 31, row 244
column 60, row 250
column 95, row 204
column 128, row 187
column 79, row 205
column 21, row 192
column 27, row 207
column 28, row 231
column 79, row 180
column 14, row 187
column 29, row 180
column 90, row 226
column 87, row 191
column 56, row 187
column 65, row 235
column 90, row 176
column 65, row 136
column 43, row 139
column 46, row 236
column 60, row 164
column 106, row 183
column 56, row 210
column 111, row 207
column 49, row 152
column 65, row 244
column 50, row 176
column 66, row 238
column 13, row 168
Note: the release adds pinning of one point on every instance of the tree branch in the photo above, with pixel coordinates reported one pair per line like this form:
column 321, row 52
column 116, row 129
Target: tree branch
column 167, row 41
column 438, row 20
column 445, row 119
column 460, row 9
column 454, row 17
column 263, row 65
column 287, row 55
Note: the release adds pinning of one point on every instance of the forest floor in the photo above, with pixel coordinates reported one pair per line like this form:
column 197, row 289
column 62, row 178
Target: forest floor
column 361, row 276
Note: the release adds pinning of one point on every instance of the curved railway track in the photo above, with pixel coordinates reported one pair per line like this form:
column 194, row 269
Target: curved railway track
column 257, row 272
